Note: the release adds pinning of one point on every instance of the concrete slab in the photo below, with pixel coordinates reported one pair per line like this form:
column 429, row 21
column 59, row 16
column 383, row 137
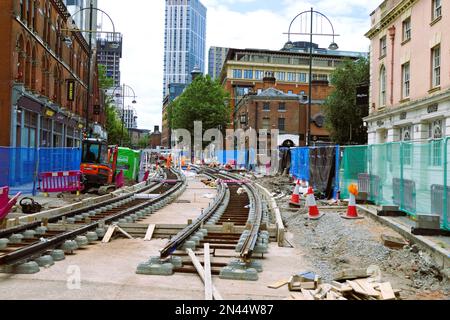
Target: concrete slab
column 196, row 197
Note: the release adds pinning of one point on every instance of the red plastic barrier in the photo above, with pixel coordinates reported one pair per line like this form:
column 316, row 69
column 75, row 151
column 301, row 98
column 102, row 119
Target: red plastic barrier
column 120, row 181
column 5, row 203
column 4, row 196
column 65, row 181
column 147, row 173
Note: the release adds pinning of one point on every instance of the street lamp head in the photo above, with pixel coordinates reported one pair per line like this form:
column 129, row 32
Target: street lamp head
column 333, row 46
column 289, row 45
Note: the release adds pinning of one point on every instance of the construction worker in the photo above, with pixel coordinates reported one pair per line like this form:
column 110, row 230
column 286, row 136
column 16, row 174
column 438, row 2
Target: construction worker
column 169, row 161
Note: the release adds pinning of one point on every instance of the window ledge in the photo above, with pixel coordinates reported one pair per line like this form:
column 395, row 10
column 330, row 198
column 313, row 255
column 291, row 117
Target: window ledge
column 382, row 57
column 405, row 100
column 435, row 89
column 432, row 23
column 282, row 111
column 406, row 41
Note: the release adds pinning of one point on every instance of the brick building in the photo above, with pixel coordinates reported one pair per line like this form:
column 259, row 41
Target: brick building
column 244, row 71
column 43, row 80
column 271, row 108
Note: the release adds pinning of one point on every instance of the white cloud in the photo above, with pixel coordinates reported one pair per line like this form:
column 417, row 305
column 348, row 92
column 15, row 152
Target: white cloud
column 142, row 24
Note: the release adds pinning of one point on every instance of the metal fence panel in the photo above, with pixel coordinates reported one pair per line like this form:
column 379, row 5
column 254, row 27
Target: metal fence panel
column 19, row 167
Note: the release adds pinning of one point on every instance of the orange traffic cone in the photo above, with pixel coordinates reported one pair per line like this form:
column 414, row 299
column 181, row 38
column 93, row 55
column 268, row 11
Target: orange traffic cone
column 295, row 198
column 352, row 213
column 314, row 213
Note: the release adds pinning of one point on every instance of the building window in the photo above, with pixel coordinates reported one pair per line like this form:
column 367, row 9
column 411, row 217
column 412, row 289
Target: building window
column 405, row 80
column 436, row 66
column 437, row 10
column 237, row 73
column 435, row 134
column 320, row 77
column 302, row 77
column 407, row 29
column 281, row 124
column 405, row 134
column 266, row 106
column 383, row 47
column 281, row 76
column 248, row 74
column 266, row 124
column 382, row 86
column 282, row 107
column 259, row 74
column 291, row 76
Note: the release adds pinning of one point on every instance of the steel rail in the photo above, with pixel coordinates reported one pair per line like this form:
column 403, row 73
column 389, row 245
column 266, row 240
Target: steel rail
column 181, row 237
column 8, row 232
column 43, row 246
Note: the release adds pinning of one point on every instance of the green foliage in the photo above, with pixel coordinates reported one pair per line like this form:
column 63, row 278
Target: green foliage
column 203, row 100
column 344, row 119
column 104, row 81
column 144, row 142
column 114, row 126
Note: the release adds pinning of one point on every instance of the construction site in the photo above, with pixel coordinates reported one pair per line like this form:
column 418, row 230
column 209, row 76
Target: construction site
column 218, row 232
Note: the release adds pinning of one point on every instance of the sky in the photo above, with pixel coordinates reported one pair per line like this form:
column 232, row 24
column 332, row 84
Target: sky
column 230, row 23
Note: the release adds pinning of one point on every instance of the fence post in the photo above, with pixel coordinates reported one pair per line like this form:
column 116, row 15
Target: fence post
column 444, row 207
column 402, row 183
column 36, row 170
column 337, row 164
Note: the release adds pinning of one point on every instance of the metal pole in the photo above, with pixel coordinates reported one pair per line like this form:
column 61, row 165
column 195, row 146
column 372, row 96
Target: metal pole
column 308, row 139
column 88, row 102
column 123, row 113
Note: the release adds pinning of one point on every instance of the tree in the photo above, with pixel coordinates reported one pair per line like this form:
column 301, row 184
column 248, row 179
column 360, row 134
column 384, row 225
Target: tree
column 113, row 121
column 203, row 100
column 344, row 118
column 144, row 141
column 104, row 81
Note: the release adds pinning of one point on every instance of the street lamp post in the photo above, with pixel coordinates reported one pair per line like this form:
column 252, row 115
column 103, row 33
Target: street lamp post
column 333, row 46
column 68, row 41
column 123, row 95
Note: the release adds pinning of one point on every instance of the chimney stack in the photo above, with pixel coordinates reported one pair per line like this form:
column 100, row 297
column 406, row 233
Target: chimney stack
column 269, row 80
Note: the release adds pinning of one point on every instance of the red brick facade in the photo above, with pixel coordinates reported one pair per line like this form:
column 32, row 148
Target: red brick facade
column 36, row 67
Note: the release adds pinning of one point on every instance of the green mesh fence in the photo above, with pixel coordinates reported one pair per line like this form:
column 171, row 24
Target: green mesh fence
column 411, row 175
column 354, row 161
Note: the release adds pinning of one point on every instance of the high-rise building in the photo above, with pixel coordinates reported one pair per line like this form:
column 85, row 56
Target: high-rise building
column 109, row 53
column 81, row 18
column 216, row 58
column 184, row 43
column 129, row 117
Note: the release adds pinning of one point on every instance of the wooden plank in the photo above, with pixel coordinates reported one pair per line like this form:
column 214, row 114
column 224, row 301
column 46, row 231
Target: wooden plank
column 307, row 294
column 386, row 291
column 367, row 287
column 124, row 232
column 201, row 273
column 278, row 284
column 323, row 291
column 149, row 233
column 357, row 288
column 207, row 266
column 331, row 295
column 109, row 234
column 393, row 242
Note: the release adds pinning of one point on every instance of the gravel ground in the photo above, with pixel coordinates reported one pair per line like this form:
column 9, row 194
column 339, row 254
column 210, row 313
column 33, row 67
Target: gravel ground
column 333, row 244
